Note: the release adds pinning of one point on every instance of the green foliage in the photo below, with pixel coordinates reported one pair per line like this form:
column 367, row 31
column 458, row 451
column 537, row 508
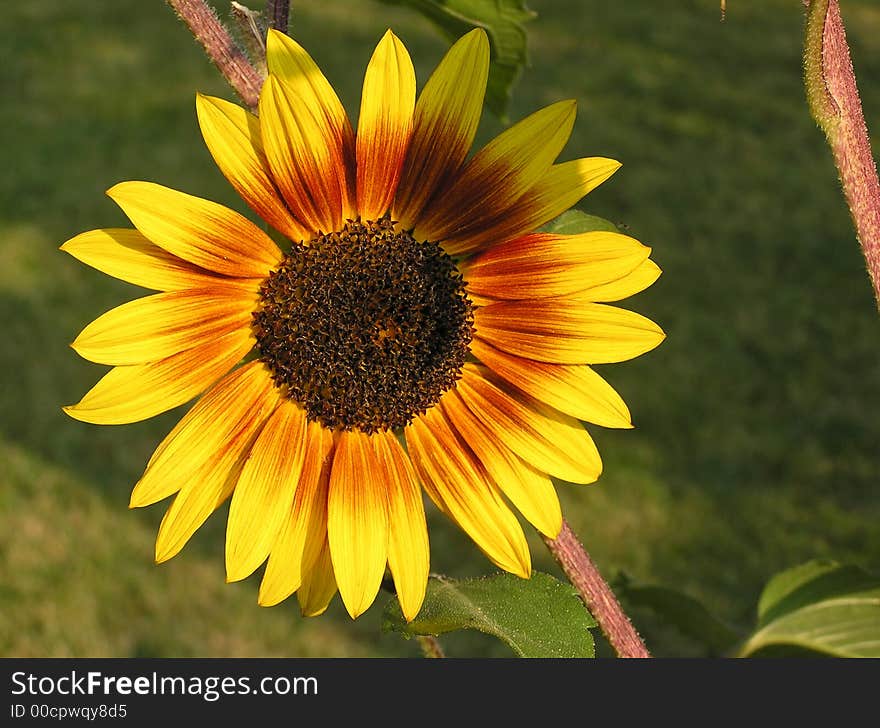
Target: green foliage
column 537, row 617
column 818, row 608
column 572, row 222
column 683, row 612
column 821, row 606
column 503, row 21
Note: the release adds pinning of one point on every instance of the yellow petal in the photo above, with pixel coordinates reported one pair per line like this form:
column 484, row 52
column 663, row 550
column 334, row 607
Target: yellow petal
column 446, row 117
column 213, row 479
column 129, row 256
column 202, row 232
column 459, row 485
column 318, row 585
column 137, row 392
column 304, row 532
column 634, row 282
column 408, row 551
column 233, row 137
column 499, row 174
column 290, row 63
column 574, row 389
column 307, row 164
column 560, row 188
column 566, row 331
column 209, row 432
column 530, row 490
column 541, row 265
column 263, row 496
column 357, row 521
column 384, row 126
column 155, row 327
column 549, row 440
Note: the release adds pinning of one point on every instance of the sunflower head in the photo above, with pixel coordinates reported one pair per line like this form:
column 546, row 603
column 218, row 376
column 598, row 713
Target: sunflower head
column 415, row 334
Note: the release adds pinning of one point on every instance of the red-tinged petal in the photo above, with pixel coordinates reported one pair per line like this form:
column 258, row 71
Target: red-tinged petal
column 137, row 392
column 499, row 174
column 318, row 584
column 408, row 552
column 574, row 389
column 561, row 187
column 289, row 61
column 542, row 265
column 549, row 440
column 155, row 327
column 206, row 480
column 384, row 126
column 263, row 496
column 306, row 162
column 446, row 117
column 130, row 257
column 634, row 282
column 209, row 434
column 202, row 232
column 357, row 520
column 459, row 485
column 233, row 137
column 566, row 330
column 298, row 546
column 529, row 489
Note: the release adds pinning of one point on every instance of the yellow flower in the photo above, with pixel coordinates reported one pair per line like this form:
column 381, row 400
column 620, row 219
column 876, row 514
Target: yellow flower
column 414, row 300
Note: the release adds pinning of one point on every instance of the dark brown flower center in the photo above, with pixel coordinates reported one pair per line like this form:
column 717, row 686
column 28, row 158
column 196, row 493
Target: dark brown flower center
column 366, row 327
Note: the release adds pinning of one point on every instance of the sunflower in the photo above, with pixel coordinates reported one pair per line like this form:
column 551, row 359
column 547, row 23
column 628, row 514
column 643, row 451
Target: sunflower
column 416, row 332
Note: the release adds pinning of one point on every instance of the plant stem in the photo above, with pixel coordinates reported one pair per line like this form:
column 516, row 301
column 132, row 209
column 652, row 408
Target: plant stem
column 278, row 14
column 597, row 595
column 835, row 104
column 221, row 48
column 430, row 646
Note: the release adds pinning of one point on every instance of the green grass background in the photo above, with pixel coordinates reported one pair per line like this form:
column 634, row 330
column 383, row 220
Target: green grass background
column 756, row 440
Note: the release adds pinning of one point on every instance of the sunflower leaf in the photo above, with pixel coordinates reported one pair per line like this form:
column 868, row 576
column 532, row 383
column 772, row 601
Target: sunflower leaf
column 819, row 607
column 573, row 222
column 683, row 612
column 503, row 20
column 536, row 617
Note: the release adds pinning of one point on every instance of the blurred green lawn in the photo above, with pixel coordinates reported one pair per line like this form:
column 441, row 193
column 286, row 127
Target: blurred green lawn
column 755, row 445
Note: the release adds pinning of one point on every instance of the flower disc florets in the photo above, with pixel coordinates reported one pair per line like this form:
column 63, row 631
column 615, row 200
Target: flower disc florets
column 365, row 327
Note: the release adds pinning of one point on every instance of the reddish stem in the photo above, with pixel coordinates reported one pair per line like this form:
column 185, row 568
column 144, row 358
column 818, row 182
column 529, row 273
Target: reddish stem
column 278, row 13
column 430, row 646
column 836, row 106
column 597, row 595
column 221, row 48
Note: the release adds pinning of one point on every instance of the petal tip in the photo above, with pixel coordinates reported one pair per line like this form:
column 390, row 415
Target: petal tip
column 113, row 192
column 314, row 611
column 163, row 554
column 477, row 35
column 270, row 597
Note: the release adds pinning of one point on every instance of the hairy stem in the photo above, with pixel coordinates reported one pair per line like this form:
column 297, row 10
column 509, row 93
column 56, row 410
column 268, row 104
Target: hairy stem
column 597, row 595
column 221, row 48
column 278, row 14
column 430, row 646
column 835, row 104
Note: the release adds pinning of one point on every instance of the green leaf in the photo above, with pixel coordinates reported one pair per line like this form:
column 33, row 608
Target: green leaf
column 537, row 617
column 572, row 222
column 821, row 606
column 683, row 612
column 503, row 21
